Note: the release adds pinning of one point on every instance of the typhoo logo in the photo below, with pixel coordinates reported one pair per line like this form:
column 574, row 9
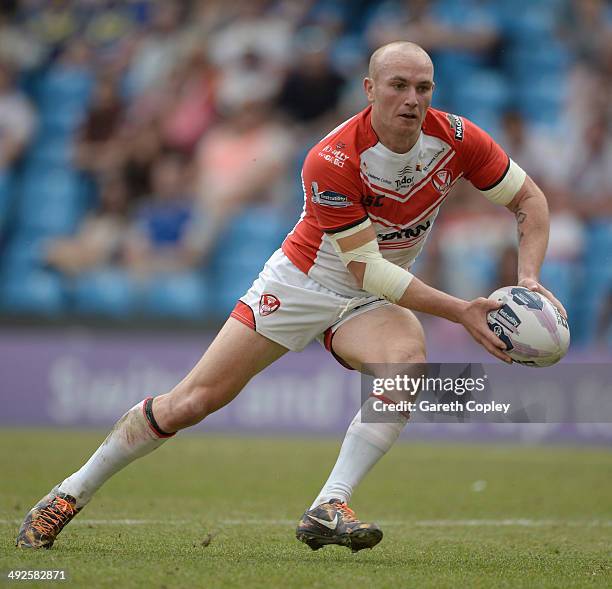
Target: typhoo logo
column 404, row 180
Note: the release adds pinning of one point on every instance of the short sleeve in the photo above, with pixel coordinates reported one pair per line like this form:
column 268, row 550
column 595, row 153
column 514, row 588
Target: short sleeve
column 485, row 162
column 331, row 182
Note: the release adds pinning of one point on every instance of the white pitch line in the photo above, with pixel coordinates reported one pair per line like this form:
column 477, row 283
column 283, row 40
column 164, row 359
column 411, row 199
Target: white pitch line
column 431, row 523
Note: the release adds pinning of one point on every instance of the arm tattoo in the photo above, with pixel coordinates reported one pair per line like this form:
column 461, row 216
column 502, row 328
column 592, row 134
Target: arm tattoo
column 520, row 219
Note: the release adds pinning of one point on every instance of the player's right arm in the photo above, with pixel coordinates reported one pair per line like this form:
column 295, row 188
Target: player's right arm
column 358, row 249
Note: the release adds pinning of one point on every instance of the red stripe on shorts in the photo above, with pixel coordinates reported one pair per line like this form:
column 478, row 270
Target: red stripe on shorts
column 244, row 314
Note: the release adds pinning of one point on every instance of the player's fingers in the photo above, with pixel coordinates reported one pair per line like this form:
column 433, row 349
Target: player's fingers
column 537, row 287
column 493, row 344
column 551, row 297
column 554, row 300
column 495, row 351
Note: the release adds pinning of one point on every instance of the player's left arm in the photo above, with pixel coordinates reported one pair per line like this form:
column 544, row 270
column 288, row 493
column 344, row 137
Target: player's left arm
column 504, row 182
column 532, row 222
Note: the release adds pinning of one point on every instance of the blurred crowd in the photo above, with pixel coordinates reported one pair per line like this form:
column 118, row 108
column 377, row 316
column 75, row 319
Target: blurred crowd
column 150, row 151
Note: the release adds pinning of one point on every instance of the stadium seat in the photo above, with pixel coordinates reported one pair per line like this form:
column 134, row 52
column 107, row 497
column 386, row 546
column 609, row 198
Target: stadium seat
column 541, row 101
column 559, row 277
column 5, row 199
column 23, row 253
column 39, row 292
column 107, row 292
column 243, row 249
column 61, row 119
column 61, row 84
column 51, row 149
column 183, row 295
column 487, row 91
column 51, row 200
column 250, row 239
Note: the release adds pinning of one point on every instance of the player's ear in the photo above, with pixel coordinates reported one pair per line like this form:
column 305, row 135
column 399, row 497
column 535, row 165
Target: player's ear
column 368, row 86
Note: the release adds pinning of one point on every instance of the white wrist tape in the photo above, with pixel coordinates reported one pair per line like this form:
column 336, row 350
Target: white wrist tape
column 510, row 184
column 381, row 277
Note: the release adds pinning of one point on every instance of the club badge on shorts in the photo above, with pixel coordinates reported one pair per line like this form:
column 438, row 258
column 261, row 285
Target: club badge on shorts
column 268, row 303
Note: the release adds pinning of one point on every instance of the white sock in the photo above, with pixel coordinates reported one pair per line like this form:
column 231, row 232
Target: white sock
column 132, row 437
column 364, row 445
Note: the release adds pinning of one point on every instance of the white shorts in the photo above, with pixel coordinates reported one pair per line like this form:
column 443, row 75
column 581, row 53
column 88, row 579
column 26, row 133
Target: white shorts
column 291, row 309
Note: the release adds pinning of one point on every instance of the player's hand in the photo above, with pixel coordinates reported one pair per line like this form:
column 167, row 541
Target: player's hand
column 474, row 319
column 535, row 286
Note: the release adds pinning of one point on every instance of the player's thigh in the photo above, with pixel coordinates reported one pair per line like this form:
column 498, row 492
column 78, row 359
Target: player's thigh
column 235, row 356
column 384, row 342
column 387, row 334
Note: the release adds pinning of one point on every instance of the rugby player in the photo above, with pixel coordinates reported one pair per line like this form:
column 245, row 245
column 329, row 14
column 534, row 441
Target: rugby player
column 372, row 189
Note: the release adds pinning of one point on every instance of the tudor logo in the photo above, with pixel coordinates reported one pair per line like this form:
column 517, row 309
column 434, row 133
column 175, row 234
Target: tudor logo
column 442, row 180
column 268, row 303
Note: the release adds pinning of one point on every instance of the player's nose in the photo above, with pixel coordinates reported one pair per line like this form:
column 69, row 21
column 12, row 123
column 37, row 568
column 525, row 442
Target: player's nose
column 410, row 97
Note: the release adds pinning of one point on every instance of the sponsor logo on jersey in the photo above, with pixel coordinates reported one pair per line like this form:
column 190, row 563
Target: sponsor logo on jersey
column 372, row 200
column 442, row 180
column 456, row 124
column 433, row 159
column 329, row 198
column 335, row 156
column 404, row 182
column 268, row 303
column 414, row 231
column 405, row 170
column 378, row 178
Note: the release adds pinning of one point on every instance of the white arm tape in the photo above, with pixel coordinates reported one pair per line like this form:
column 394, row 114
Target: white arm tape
column 381, row 277
column 511, row 183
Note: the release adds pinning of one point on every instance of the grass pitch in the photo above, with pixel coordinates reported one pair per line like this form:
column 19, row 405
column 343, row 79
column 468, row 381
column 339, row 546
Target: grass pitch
column 208, row 511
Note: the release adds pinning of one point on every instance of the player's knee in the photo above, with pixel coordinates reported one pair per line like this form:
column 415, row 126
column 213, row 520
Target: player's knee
column 192, row 403
column 202, row 400
column 407, row 355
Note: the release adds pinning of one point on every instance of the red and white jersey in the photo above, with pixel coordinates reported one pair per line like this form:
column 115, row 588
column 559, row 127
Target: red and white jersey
column 350, row 176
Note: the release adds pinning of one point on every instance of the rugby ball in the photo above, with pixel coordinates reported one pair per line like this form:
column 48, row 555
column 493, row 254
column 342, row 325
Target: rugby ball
column 534, row 331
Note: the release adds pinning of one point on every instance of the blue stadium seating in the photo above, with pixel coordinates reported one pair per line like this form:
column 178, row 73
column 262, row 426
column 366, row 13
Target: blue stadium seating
column 595, row 282
column 51, row 149
column 108, row 292
column 541, row 101
column 182, row 294
column 559, row 277
column 5, row 199
column 63, row 97
column 38, row 292
column 487, row 90
column 23, row 253
column 65, row 84
column 243, row 249
column 52, row 202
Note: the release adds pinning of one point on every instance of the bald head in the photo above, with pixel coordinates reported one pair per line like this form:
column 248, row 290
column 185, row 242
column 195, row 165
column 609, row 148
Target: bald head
column 394, row 52
column 399, row 87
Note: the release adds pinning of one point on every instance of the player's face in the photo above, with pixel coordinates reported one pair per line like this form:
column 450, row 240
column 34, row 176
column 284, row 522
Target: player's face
column 401, row 92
